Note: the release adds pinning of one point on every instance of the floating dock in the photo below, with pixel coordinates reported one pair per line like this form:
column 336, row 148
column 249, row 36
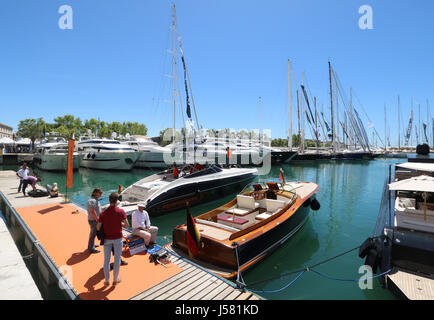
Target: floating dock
column 56, row 235
column 411, row 286
column 16, row 282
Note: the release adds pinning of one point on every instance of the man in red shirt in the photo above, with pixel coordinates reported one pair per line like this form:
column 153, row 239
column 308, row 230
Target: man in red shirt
column 113, row 219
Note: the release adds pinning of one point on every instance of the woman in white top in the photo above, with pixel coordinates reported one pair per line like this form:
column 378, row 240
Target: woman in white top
column 142, row 225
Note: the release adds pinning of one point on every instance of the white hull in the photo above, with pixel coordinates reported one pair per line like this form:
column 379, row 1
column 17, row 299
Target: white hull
column 151, row 160
column 55, row 162
column 109, row 160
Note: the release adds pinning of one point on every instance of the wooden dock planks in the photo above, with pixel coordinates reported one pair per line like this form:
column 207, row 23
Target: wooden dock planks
column 192, row 283
column 412, row 286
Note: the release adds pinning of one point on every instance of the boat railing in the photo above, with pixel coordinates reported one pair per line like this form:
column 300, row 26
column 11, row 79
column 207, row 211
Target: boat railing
column 383, row 214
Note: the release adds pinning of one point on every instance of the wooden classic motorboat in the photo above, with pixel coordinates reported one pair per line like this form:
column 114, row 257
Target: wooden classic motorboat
column 249, row 227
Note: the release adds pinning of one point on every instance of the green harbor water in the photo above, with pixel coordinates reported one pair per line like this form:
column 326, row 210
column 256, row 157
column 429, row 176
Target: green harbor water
column 350, row 196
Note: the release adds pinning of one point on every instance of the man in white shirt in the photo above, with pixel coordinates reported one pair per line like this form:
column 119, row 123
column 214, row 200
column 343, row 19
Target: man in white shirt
column 142, row 225
column 22, row 173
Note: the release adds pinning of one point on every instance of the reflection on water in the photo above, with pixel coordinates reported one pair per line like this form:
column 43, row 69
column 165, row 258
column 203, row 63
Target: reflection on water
column 350, row 196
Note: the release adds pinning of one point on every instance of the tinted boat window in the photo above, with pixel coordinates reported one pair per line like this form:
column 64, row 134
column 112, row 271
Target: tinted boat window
column 210, row 170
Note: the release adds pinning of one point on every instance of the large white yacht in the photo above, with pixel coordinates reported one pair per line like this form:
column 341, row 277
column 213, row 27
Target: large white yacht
column 152, row 154
column 53, row 156
column 107, row 154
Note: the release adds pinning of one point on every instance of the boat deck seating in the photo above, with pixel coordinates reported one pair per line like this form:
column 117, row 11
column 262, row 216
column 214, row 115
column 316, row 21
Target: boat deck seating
column 410, row 214
column 245, row 205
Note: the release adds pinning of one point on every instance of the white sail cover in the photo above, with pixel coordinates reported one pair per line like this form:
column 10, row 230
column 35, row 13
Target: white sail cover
column 427, row 167
column 421, row 183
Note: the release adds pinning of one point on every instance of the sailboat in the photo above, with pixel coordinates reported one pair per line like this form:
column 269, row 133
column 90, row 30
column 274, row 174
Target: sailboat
column 190, row 184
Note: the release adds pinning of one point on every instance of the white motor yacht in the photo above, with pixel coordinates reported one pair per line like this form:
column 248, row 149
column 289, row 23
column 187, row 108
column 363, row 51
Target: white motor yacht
column 53, row 156
column 152, row 154
column 107, row 154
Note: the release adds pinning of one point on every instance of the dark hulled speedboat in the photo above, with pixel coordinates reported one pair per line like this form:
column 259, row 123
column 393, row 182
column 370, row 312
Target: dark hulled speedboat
column 168, row 190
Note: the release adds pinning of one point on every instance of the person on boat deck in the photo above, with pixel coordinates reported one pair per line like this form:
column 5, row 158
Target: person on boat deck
column 113, row 219
column 22, row 173
column 30, row 180
column 142, row 225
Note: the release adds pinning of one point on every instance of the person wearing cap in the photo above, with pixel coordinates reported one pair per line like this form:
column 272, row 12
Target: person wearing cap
column 142, row 225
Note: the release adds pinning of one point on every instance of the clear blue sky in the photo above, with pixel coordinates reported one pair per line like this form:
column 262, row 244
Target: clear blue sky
column 112, row 65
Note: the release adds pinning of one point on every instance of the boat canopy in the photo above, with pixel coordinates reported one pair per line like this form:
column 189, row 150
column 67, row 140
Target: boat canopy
column 427, row 167
column 421, row 183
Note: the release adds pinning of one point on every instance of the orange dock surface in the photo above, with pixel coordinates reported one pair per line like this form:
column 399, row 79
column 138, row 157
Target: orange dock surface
column 64, row 234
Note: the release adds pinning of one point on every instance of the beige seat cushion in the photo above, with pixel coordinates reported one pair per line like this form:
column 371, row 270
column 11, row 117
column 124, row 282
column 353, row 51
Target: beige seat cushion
column 274, row 205
column 263, row 216
column 245, row 202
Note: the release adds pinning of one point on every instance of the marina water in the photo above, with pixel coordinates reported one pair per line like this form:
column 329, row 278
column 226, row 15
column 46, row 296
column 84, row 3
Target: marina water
column 350, row 196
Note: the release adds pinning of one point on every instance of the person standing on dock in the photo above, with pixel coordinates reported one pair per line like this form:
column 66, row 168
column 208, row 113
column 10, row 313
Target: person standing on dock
column 113, row 219
column 22, row 173
column 93, row 213
column 142, row 225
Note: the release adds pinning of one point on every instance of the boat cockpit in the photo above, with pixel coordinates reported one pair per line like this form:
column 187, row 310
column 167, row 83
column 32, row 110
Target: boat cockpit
column 250, row 208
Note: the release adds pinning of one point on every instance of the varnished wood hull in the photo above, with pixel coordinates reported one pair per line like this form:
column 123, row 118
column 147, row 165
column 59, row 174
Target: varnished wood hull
column 249, row 252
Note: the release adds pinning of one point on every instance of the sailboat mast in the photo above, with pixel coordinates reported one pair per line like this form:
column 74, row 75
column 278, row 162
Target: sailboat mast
column 302, row 116
column 350, row 118
column 399, row 125
column 419, row 138
column 316, row 127
column 331, row 107
column 289, row 107
column 174, row 69
column 299, row 125
column 385, row 129
column 337, row 112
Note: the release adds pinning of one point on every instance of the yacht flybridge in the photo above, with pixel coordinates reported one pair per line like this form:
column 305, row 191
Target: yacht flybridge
column 107, row 154
column 172, row 189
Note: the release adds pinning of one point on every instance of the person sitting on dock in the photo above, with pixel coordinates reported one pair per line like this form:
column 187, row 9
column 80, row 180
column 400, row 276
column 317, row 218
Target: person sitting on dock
column 142, row 225
column 113, row 219
column 22, row 173
column 53, row 190
column 32, row 180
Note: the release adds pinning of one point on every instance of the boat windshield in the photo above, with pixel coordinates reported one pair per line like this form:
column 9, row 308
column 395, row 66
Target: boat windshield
column 210, row 170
